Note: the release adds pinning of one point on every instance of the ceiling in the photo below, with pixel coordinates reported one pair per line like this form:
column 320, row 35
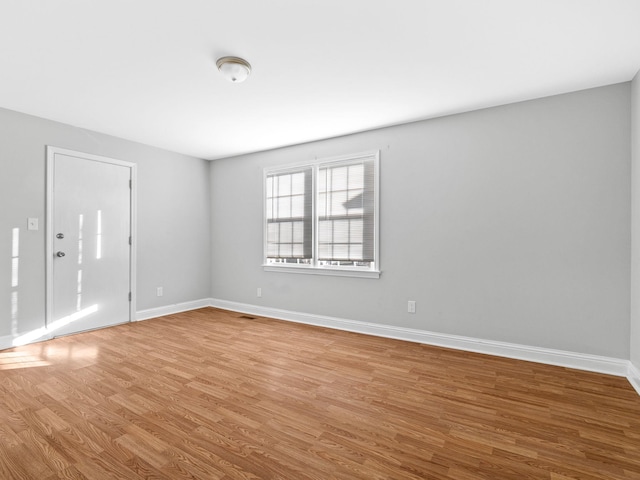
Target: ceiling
column 145, row 69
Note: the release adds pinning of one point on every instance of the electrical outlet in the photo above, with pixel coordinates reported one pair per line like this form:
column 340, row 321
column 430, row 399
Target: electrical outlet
column 259, row 292
column 159, row 291
column 32, row 224
column 411, row 306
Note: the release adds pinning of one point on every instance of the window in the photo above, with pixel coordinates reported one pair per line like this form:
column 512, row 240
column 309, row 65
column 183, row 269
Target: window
column 322, row 217
column 289, row 216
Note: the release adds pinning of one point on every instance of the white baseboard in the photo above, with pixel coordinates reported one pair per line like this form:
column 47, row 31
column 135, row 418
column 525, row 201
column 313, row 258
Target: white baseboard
column 580, row 361
column 633, row 375
column 171, row 309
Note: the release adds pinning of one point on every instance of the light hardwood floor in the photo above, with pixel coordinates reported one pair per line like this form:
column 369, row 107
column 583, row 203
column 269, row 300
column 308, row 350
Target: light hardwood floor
column 209, row 394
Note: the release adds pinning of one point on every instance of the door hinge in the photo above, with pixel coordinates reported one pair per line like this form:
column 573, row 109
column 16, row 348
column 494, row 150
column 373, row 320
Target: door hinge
column 130, row 184
column 129, row 296
column 129, row 240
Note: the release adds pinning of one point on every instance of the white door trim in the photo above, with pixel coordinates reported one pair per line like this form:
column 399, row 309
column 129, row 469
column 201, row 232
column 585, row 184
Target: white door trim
column 51, row 152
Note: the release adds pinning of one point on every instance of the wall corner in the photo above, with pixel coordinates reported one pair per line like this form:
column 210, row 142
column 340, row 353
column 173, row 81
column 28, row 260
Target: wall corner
column 634, row 334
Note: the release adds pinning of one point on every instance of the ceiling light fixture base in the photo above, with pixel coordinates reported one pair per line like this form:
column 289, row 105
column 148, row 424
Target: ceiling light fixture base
column 234, row 69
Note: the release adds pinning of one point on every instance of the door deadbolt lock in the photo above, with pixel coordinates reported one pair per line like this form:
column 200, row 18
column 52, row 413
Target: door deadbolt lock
column 60, row 235
column 60, row 254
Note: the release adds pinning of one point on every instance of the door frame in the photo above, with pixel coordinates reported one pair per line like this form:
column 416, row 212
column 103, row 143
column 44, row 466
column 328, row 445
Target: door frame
column 49, row 250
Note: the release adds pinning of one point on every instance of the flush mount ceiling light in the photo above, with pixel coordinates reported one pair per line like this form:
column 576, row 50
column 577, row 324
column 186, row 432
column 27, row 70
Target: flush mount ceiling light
column 234, row 69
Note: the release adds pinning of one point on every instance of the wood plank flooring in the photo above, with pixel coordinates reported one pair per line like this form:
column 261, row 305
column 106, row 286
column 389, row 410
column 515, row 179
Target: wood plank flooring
column 211, row 395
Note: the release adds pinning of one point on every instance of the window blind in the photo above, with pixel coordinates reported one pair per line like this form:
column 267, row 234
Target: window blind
column 346, row 212
column 289, row 215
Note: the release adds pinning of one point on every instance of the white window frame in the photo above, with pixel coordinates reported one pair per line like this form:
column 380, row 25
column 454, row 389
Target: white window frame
column 314, row 268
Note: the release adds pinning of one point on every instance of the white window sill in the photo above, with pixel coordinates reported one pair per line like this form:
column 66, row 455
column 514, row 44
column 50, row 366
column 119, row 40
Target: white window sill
column 336, row 272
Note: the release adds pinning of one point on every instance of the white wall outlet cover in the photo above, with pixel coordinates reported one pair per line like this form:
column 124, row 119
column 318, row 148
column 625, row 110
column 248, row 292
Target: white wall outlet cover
column 32, row 224
column 411, row 306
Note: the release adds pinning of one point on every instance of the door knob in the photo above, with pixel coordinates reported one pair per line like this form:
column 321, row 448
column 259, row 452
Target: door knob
column 60, row 254
column 60, row 235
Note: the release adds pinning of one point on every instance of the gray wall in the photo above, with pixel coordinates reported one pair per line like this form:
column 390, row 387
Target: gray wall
column 635, row 222
column 510, row 224
column 173, row 215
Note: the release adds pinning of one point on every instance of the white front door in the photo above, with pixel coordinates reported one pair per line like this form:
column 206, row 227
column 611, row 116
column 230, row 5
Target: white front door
column 89, row 245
